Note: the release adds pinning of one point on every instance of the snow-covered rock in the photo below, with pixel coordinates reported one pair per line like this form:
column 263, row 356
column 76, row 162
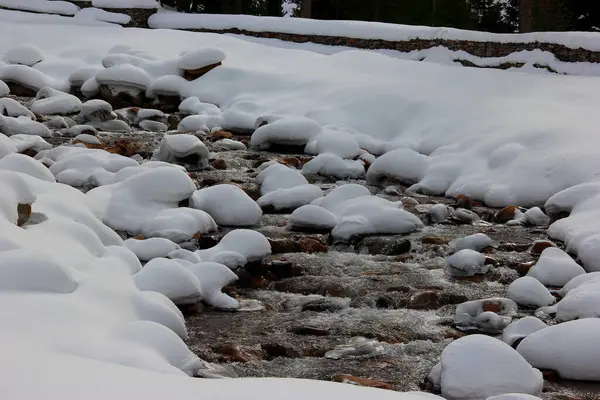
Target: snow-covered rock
column 192, row 105
column 178, row 147
column 569, row 349
column 178, row 224
column 466, row 262
column 291, row 198
column 529, row 292
column 477, row 242
column 124, row 77
column 487, row 315
column 338, row 142
column 201, row 58
column 251, row 245
column 555, row 268
column 340, row 194
column 278, row 176
column 23, row 125
column 439, row 213
column 52, row 102
column 520, row 329
column 35, row 143
column 404, row 165
column 167, row 277
column 12, row 108
column 26, row 165
column 477, row 366
column 290, row 131
column 4, row 89
column 228, row 205
column 213, row 277
column 25, row 54
column 311, row 217
column 148, row 249
column 578, row 281
column 581, row 302
column 329, row 164
column 202, row 122
column 80, row 129
column 514, row 396
column 97, row 110
column 231, row 144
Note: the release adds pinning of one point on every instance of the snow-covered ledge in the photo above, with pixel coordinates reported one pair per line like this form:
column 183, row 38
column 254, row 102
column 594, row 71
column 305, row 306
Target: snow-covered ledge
column 138, row 10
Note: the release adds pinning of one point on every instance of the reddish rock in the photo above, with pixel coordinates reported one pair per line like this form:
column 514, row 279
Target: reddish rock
column 192, row 74
column 539, row 246
column 424, row 301
column 235, row 353
column 219, row 163
column 508, row 213
column 355, row 380
column 464, row 201
column 523, row 268
column 312, row 245
column 29, row 152
column 291, row 162
column 222, row 135
column 492, row 306
column 124, row 148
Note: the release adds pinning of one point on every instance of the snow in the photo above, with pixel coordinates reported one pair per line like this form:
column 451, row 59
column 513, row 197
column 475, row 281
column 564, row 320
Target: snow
column 340, row 194
column 555, row 268
column 27, row 165
column 312, row 217
column 514, row 396
column 404, row 165
column 478, row 366
column 466, row 262
column 30, row 78
column 192, row 105
column 4, row 89
column 201, row 58
column 231, row 144
column 23, row 125
column 25, row 142
column 291, row 198
column 337, row 141
column 125, row 3
column 124, row 75
column 529, row 292
column 477, row 242
column 228, row 205
column 569, row 349
column 278, row 176
column 45, row 6
column 520, row 329
column 176, row 147
column 213, row 277
column 328, row 164
column 50, row 102
column 148, row 249
column 96, row 14
column 25, row 55
column 296, row 131
column 12, row 108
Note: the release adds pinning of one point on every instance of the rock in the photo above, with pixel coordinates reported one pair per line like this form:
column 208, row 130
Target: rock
column 463, row 201
column 392, row 191
column 325, row 304
column 219, row 163
column 23, row 212
column 222, row 135
column 357, row 347
column 539, row 246
column 313, row 330
column 424, row 301
column 491, row 315
column 439, row 240
column 409, row 202
column 385, row 245
column 153, row 126
column 235, row 353
column 465, row 216
column 312, row 245
column 354, row 380
column 124, row 147
column 193, row 74
column 274, row 350
column 97, row 110
column 56, row 122
column 439, row 213
column 291, row 162
column 508, row 213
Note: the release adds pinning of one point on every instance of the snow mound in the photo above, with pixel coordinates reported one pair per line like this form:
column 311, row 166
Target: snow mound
column 252, row 245
column 520, row 329
column 555, row 268
column 228, row 205
column 12, row 108
column 231, row 144
column 337, row 141
column 529, row 292
column 23, row 125
column 4, row 89
column 328, row 164
column 124, row 75
column 182, row 146
column 26, row 54
column 491, row 315
column 290, row 199
column 404, row 165
column 201, row 58
column 51, row 102
column 97, row 14
column 168, row 277
column 278, row 176
column 35, row 143
column 579, row 280
column 466, row 262
column 7, row 146
column 192, row 105
column 478, row 366
column 477, row 242
column 287, row 131
column 178, row 224
column 340, row 194
column 26, row 165
column 213, row 277
column 311, row 217
column 31, row 78
column 148, row 249
column 569, row 349
column 96, row 110
column 202, row 122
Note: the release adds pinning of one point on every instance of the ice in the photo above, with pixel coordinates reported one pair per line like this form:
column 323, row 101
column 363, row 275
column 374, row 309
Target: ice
column 520, row 329
column 491, row 315
column 278, row 176
column 290, row 131
column 404, row 165
column 569, row 349
column 178, row 147
column 4, row 89
column 337, row 141
column 252, row 245
column 27, row 165
column 228, row 205
column 26, row 54
column 148, row 249
column 312, row 217
column 529, row 292
column 23, row 125
column 12, row 108
column 167, row 277
column 213, row 277
column 466, row 262
column 478, row 366
column 290, row 199
column 555, row 268
column 201, row 58
column 477, row 242
column 340, row 194
column 328, row 164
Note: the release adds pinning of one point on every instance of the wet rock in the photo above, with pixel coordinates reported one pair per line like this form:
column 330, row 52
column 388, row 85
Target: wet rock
column 432, row 239
column 357, row 347
column 284, row 269
column 508, row 213
column 325, row 304
column 464, row 216
column 518, row 247
column 124, row 147
column 313, row 245
column 463, row 201
column 221, row 135
column 119, row 98
column 409, row 202
column 236, row 353
column 219, row 163
column 311, row 329
column 274, row 350
column 540, row 245
column 354, row 380
column 173, row 120
column 424, row 301
column 192, row 74
column 385, row 245
column 298, row 245
column 23, row 213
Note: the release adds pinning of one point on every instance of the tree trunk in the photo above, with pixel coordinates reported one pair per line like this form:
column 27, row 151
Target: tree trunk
column 306, row 9
column 525, row 16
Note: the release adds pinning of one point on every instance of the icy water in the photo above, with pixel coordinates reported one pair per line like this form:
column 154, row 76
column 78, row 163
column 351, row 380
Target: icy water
column 381, row 288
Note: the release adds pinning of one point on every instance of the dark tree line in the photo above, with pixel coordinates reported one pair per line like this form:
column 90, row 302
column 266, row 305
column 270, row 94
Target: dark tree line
column 502, row 16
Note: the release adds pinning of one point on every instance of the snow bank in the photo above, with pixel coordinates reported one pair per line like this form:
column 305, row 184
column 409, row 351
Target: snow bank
column 228, row 205
column 568, row 348
column 96, row 14
column 477, row 366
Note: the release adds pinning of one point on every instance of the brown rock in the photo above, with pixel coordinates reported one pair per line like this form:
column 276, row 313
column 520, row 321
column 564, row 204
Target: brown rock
column 312, row 245
column 355, row 380
column 506, row 214
column 23, row 212
column 192, row 74
column 222, row 135
column 274, row 350
column 539, row 246
column 29, row 152
column 523, row 268
column 219, row 163
column 237, row 353
column 434, row 240
column 424, row 301
column 492, row 306
column 291, row 162
column 124, row 148
column 90, row 145
column 464, row 201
